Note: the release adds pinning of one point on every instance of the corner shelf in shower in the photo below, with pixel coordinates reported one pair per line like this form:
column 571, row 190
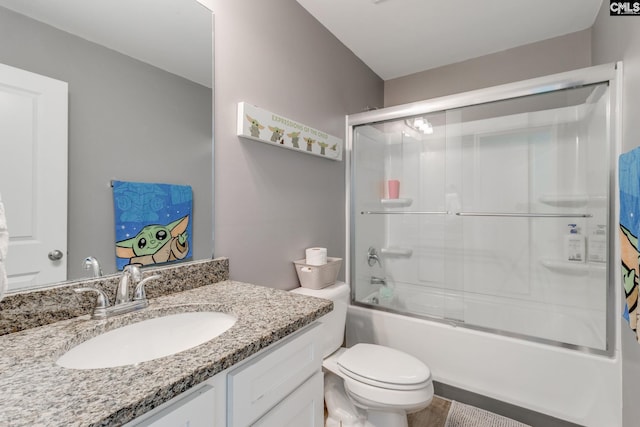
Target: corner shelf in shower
column 576, row 268
column 397, row 252
column 396, row 203
column 571, row 200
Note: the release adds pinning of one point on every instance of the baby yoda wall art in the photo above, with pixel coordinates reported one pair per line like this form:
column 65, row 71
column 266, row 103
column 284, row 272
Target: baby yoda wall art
column 295, row 139
column 276, row 136
column 286, row 133
column 152, row 223
column 255, row 127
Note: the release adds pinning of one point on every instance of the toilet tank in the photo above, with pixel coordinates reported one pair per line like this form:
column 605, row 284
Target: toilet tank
column 334, row 322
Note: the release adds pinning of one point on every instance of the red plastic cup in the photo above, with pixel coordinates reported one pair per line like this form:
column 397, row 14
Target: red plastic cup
column 394, row 188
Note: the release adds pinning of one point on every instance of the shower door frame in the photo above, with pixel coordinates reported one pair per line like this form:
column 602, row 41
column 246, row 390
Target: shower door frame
column 607, row 73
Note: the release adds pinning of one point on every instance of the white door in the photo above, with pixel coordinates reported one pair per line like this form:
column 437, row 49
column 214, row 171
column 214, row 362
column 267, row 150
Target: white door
column 33, row 176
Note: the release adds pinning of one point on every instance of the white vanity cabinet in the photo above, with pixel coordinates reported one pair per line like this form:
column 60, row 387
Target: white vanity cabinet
column 201, row 406
column 303, row 407
column 191, row 409
column 286, row 378
column 279, row 386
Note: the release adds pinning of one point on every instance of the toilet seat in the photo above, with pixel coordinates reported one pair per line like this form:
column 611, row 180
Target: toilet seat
column 383, row 367
column 373, row 394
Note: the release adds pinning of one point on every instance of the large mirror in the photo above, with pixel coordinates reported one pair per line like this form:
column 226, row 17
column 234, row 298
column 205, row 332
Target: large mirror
column 139, row 76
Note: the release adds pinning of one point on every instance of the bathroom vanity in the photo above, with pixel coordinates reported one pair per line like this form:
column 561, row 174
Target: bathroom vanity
column 265, row 370
column 281, row 386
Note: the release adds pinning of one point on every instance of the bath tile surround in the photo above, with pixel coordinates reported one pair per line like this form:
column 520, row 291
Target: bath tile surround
column 29, row 309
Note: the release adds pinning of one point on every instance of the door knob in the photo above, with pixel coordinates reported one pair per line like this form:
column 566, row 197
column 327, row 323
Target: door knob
column 55, row 255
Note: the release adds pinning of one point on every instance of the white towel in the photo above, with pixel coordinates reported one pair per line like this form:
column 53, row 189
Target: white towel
column 3, row 280
column 4, row 247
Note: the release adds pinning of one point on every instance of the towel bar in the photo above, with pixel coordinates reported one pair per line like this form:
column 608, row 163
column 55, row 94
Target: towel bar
column 501, row 214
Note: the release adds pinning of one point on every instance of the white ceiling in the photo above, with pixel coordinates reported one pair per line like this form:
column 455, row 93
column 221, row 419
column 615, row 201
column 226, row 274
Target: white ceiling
column 400, row 37
column 176, row 37
column 393, row 37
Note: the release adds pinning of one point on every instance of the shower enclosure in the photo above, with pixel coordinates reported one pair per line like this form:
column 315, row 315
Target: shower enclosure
column 505, row 220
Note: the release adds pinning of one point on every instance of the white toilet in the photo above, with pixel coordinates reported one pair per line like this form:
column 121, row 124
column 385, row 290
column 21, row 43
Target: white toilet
column 377, row 386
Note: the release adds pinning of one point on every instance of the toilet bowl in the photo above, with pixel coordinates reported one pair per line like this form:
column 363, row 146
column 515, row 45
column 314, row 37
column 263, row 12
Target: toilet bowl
column 385, row 383
column 379, row 385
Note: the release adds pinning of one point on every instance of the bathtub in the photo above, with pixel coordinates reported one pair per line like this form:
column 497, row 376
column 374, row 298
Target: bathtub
column 527, row 319
column 578, row 387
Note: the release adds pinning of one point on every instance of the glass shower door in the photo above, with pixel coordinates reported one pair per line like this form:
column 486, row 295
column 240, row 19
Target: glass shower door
column 480, row 232
column 400, row 244
column 531, row 171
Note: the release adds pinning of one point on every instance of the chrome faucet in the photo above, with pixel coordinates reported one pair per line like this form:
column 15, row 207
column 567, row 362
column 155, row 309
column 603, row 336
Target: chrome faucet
column 123, row 303
column 378, row 281
column 130, row 274
column 91, row 263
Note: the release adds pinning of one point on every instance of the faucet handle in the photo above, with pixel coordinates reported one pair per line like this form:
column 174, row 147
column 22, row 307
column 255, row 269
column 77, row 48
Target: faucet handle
column 372, row 257
column 102, row 302
column 139, row 293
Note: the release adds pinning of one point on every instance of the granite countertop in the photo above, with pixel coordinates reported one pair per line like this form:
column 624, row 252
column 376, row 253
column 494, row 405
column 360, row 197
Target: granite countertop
column 35, row 391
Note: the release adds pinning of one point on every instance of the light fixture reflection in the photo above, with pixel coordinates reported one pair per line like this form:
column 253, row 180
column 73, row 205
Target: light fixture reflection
column 420, row 124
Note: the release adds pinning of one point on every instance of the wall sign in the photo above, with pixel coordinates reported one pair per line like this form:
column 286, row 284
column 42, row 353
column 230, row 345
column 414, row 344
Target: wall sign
column 264, row 126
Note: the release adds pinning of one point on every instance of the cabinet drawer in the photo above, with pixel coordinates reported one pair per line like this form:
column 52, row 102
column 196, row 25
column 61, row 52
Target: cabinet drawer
column 261, row 383
column 302, row 408
column 193, row 410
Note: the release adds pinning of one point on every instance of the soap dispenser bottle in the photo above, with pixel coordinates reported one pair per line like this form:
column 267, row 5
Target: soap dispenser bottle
column 574, row 245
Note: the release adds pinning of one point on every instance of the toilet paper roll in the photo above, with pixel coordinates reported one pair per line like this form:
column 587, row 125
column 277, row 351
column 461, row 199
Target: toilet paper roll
column 316, row 256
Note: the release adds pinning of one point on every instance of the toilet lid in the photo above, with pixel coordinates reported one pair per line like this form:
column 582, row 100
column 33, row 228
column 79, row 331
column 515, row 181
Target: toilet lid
column 383, row 367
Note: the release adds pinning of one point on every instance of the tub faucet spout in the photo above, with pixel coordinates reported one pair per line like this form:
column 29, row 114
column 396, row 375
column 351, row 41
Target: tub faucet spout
column 378, row 281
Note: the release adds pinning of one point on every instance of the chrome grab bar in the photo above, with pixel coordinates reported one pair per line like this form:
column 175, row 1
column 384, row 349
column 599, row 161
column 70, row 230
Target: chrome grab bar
column 499, row 214
column 403, row 213
column 526, row 215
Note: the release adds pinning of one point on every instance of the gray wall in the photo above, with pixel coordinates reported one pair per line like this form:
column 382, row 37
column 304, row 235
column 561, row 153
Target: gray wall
column 271, row 203
column 555, row 55
column 618, row 38
column 128, row 121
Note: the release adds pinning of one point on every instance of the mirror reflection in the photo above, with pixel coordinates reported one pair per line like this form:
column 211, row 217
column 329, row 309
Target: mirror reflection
column 138, row 108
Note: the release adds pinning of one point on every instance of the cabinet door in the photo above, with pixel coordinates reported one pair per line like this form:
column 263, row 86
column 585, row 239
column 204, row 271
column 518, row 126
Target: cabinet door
column 257, row 386
column 194, row 410
column 302, row 408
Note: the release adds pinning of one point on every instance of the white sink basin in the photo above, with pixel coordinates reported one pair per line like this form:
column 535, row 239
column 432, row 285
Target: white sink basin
column 147, row 340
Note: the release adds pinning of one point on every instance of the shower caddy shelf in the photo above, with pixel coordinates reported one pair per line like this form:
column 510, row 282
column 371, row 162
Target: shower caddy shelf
column 573, row 267
column 396, row 203
column 397, row 252
column 571, row 200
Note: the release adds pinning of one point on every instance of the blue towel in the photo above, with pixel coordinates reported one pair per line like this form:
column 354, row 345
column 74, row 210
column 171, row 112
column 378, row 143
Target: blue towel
column 629, row 177
column 152, row 222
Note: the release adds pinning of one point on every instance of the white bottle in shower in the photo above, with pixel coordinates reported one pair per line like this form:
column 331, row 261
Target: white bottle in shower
column 597, row 244
column 574, row 245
